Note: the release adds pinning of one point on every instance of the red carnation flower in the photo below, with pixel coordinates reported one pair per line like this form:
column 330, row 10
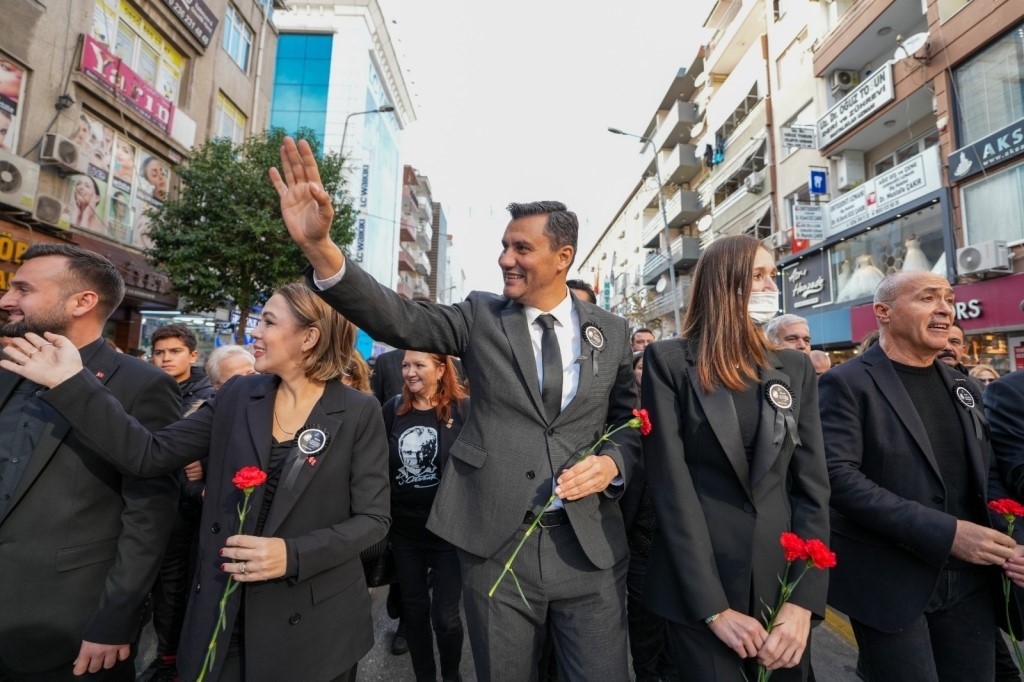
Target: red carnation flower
column 644, row 421
column 794, row 548
column 248, row 478
column 819, row 553
column 1007, row 507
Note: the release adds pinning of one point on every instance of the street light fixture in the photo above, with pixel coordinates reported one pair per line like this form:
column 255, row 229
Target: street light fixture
column 384, row 109
column 676, row 303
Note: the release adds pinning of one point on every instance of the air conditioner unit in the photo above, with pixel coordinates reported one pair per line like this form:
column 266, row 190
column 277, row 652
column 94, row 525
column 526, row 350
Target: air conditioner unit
column 984, row 257
column 60, row 151
column 19, row 179
column 52, row 211
column 849, row 169
column 754, row 182
column 842, row 80
column 778, row 240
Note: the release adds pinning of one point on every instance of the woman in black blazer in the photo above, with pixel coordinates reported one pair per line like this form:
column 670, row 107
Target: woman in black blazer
column 734, row 460
column 303, row 612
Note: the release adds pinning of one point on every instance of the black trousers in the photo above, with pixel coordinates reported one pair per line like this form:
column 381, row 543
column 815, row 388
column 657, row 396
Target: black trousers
column 952, row 641
column 425, row 615
column 170, row 592
column 651, row 661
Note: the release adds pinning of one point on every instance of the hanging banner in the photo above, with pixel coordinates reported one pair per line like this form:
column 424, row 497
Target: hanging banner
column 105, row 68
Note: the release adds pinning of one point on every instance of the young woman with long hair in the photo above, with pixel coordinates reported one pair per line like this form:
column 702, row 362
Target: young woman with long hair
column 735, row 459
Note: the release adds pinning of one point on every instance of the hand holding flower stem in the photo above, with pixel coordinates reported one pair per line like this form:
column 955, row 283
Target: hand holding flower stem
column 640, row 421
column 1009, row 510
column 247, row 479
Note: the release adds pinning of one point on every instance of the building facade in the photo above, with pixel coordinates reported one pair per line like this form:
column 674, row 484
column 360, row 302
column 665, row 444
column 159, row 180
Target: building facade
column 416, row 235
column 99, row 101
column 336, row 69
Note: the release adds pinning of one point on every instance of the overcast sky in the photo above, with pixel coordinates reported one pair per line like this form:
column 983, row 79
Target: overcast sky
column 513, row 101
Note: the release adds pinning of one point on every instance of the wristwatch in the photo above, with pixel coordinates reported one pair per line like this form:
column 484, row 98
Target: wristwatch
column 711, row 619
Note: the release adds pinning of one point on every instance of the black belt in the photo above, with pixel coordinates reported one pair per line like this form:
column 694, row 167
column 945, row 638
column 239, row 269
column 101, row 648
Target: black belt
column 549, row 519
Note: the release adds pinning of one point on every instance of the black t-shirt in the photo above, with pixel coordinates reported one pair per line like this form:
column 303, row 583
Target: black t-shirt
column 419, row 444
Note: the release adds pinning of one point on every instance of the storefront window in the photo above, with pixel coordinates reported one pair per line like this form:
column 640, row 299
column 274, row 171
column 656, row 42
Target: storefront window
column 987, row 349
column 911, row 242
column 994, row 207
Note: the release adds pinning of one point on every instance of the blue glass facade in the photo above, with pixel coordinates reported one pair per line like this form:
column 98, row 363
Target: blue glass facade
column 300, row 82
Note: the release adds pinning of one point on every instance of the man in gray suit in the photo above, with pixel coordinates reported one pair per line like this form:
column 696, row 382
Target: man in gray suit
column 525, row 429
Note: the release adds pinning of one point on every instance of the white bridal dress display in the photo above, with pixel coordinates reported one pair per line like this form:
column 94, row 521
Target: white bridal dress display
column 843, row 276
column 863, row 281
column 915, row 258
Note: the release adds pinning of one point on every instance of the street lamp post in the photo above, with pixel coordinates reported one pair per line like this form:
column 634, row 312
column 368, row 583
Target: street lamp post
column 676, row 303
column 344, row 133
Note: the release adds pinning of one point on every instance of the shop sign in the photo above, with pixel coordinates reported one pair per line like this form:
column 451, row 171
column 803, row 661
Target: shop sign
column 915, row 177
column 1001, row 145
column 196, row 17
column 364, row 190
column 105, row 68
column 865, row 99
column 14, row 242
column 807, row 283
column 809, row 222
column 801, row 136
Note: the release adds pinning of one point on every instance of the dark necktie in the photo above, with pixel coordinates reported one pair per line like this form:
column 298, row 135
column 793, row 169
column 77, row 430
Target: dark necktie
column 551, row 358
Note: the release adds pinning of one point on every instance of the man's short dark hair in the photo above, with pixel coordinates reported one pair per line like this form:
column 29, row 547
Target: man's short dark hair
column 563, row 227
column 639, row 330
column 179, row 331
column 580, row 285
column 85, row 270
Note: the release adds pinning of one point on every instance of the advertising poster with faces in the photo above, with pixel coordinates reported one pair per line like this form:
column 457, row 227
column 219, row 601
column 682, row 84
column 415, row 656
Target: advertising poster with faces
column 122, row 179
column 88, row 192
column 152, row 179
column 12, row 84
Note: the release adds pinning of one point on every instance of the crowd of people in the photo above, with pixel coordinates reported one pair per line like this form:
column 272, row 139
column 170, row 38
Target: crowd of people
column 245, row 526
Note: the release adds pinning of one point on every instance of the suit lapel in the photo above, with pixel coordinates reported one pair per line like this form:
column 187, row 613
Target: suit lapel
column 513, row 321
column 585, row 360
column 721, row 415
column 880, row 369
column 766, row 450
column 103, row 364
column 975, row 452
column 326, row 415
column 259, row 415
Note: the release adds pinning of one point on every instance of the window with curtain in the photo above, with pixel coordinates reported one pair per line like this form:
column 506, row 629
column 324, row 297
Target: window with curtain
column 230, row 121
column 238, row 38
column 989, row 88
column 993, row 208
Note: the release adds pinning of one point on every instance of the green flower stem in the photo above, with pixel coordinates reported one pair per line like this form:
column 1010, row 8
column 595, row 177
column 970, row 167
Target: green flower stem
column 1017, row 654
column 784, row 594
column 507, row 569
column 229, row 589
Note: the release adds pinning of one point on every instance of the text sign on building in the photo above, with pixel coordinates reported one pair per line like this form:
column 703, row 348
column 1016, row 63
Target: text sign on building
column 801, row 136
column 364, row 191
column 196, row 17
column 865, row 99
column 809, row 222
column 807, row 284
column 1001, row 145
column 105, row 68
column 915, row 177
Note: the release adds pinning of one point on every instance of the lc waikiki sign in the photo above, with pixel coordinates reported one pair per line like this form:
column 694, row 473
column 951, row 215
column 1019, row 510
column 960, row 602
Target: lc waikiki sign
column 105, row 68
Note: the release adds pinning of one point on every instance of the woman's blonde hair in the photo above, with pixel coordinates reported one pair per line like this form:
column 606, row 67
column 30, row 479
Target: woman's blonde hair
column 358, row 374
column 330, row 358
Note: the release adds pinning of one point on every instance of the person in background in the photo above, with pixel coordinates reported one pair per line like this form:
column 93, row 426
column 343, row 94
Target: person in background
column 358, row 374
column 422, row 424
column 580, row 289
column 638, row 367
column 734, row 460
column 302, row 611
column 640, row 339
column 953, row 354
column 789, row 331
column 226, row 362
column 175, row 348
column 984, row 374
column 81, row 540
column 821, row 361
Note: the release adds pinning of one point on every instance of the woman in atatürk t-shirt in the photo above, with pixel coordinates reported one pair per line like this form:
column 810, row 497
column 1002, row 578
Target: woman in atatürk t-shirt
column 422, row 424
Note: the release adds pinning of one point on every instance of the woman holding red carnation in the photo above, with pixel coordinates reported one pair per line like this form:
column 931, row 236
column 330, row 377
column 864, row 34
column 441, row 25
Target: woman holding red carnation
column 309, row 457
column 735, row 459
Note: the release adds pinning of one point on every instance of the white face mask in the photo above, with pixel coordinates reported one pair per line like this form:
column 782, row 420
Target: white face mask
column 763, row 306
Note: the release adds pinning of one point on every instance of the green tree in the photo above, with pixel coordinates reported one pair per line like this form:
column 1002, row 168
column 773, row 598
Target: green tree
column 221, row 240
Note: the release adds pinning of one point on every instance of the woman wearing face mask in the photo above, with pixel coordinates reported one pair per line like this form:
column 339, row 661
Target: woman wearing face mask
column 735, row 459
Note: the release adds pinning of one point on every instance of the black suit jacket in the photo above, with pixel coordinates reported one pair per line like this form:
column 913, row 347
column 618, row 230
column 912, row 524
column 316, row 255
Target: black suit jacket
column 81, row 542
column 503, row 462
column 387, row 375
column 1004, row 406
column 890, row 529
column 315, row 624
column 720, row 518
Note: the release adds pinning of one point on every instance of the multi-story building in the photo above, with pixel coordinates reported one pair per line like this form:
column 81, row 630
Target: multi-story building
column 336, row 69
column 438, row 254
column 99, row 101
column 416, row 235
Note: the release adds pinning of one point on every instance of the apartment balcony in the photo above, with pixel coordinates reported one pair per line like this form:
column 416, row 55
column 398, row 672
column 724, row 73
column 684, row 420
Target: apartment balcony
column 675, row 129
column 741, row 24
column 410, row 205
column 426, row 208
column 405, row 261
column 866, row 33
column 421, row 262
column 424, row 235
column 683, row 207
column 679, row 165
column 654, row 266
column 406, row 230
column 404, row 289
column 663, row 304
column 651, row 235
column 685, row 252
column 421, row 289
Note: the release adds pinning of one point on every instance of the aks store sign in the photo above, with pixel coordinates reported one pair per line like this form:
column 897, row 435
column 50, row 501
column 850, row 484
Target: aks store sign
column 1001, row 145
